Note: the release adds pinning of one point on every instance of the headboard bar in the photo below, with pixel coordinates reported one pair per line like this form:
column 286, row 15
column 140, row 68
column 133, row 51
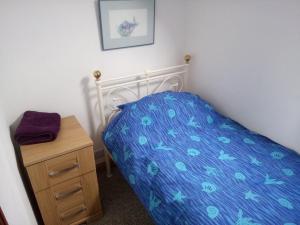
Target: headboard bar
column 143, row 80
column 104, row 82
column 147, row 73
column 166, row 69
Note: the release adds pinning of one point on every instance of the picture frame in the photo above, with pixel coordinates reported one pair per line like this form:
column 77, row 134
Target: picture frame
column 126, row 23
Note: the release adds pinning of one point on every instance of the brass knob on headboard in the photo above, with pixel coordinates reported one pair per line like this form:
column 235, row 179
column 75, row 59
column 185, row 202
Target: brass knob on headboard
column 97, row 74
column 187, row 58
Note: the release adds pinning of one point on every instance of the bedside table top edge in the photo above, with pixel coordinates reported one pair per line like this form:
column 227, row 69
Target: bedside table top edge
column 71, row 137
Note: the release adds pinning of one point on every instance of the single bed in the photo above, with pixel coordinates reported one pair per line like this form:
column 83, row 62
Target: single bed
column 189, row 165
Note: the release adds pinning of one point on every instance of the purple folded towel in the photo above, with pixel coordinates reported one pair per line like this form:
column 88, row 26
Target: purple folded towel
column 37, row 127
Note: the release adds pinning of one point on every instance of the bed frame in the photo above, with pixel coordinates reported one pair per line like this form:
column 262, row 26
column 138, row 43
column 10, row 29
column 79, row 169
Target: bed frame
column 124, row 89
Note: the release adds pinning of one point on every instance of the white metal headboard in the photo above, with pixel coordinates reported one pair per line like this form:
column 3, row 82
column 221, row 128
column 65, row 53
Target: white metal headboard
column 116, row 91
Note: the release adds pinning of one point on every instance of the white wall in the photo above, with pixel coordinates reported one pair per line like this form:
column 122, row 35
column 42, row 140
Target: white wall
column 13, row 199
column 49, row 50
column 246, row 61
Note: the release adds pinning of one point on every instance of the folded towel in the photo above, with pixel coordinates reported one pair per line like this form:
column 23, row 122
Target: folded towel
column 37, row 127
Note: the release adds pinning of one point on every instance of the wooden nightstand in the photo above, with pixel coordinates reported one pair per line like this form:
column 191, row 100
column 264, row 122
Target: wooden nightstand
column 63, row 176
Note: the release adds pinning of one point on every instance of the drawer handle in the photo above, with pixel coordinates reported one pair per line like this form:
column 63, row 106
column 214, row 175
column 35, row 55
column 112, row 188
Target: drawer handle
column 62, row 195
column 67, row 169
column 77, row 211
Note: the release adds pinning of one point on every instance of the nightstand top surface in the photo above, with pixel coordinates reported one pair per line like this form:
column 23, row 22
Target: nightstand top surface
column 71, row 137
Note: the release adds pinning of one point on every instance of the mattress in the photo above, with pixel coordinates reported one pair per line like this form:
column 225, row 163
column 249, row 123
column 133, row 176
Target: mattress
column 189, row 165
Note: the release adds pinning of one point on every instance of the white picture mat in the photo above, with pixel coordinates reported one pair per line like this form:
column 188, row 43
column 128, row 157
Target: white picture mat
column 131, row 40
column 117, row 17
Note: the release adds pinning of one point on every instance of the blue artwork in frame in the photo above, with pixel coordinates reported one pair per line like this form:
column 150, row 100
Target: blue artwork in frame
column 127, row 23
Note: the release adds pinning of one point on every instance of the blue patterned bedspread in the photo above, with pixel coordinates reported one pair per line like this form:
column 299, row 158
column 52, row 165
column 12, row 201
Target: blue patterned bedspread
column 190, row 165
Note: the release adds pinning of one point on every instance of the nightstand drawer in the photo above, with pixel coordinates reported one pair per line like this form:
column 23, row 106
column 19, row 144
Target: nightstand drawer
column 70, row 201
column 57, row 170
column 74, row 214
column 63, row 168
column 68, row 194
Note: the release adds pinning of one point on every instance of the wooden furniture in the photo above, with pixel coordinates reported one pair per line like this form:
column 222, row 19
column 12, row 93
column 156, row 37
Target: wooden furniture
column 63, row 176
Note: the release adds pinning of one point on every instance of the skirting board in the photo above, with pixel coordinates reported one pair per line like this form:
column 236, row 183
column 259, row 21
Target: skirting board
column 100, row 162
column 99, row 157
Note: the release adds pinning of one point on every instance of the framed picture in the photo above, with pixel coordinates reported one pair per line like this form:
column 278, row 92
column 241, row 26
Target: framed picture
column 127, row 23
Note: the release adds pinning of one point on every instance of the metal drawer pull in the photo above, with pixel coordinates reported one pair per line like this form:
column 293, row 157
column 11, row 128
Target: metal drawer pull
column 77, row 211
column 56, row 173
column 62, row 195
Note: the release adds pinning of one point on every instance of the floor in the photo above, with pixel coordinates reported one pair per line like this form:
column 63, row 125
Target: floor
column 121, row 206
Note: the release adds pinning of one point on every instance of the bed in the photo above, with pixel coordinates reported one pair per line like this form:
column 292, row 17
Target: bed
column 189, row 165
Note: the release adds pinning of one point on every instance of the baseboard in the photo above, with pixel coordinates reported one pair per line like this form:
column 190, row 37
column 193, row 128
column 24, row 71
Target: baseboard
column 100, row 161
column 99, row 156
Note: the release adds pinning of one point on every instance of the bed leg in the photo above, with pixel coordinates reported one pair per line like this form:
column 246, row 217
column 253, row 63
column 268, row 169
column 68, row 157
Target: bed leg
column 107, row 163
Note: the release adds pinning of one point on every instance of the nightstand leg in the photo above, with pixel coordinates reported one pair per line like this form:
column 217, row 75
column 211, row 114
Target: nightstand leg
column 107, row 163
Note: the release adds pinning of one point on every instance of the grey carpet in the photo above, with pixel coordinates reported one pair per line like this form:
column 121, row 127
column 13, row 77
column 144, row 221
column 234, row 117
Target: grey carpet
column 120, row 204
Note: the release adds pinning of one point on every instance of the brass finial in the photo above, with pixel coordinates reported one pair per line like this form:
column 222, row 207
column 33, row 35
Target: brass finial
column 187, row 58
column 97, row 74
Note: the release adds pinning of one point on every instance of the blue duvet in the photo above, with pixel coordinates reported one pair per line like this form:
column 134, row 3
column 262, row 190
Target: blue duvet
column 191, row 166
